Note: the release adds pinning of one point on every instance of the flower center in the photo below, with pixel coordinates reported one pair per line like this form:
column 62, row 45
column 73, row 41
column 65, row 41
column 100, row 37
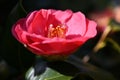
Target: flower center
column 58, row 31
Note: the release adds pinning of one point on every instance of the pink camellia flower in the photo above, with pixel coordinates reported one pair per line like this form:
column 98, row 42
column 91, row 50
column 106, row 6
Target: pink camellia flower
column 54, row 32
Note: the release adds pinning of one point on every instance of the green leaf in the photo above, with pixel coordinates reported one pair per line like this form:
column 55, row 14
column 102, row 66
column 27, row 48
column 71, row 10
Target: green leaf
column 115, row 26
column 49, row 74
column 17, row 12
column 91, row 70
column 114, row 44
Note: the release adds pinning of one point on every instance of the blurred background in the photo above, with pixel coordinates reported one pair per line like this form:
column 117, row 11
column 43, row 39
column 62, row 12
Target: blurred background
column 103, row 51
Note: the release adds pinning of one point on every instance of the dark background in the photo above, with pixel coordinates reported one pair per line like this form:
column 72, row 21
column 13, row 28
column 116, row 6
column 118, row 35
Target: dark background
column 15, row 60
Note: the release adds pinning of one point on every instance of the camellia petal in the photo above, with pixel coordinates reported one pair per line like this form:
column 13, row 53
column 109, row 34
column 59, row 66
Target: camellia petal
column 90, row 28
column 76, row 24
column 37, row 25
column 18, row 29
column 52, row 50
column 63, row 17
column 29, row 19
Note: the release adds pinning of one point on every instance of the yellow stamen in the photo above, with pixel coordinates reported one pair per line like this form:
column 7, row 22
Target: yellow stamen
column 58, row 31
